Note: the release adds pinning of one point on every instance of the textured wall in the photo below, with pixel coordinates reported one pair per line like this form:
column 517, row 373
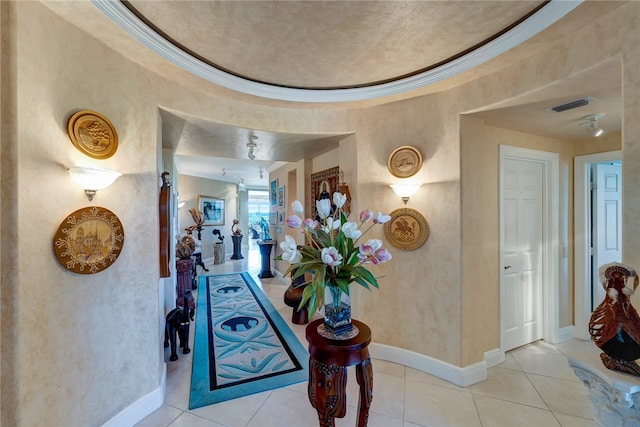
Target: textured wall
column 86, row 347
column 83, row 341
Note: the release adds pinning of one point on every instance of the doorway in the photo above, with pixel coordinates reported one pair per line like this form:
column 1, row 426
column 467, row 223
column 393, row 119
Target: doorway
column 596, row 218
column 528, row 195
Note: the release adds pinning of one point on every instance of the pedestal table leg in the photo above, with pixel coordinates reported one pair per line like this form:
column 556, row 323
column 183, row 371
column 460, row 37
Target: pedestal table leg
column 327, row 391
column 364, row 375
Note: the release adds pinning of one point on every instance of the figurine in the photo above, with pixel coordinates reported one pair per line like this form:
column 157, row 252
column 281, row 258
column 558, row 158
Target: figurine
column 234, row 227
column 615, row 325
column 216, row 232
column 199, row 220
column 264, row 225
column 185, row 248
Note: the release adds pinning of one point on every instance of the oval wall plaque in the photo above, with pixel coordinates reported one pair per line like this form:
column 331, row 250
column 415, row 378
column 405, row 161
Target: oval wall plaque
column 89, row 240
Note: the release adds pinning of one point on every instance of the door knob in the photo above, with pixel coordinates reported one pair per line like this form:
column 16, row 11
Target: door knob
column 507, row 267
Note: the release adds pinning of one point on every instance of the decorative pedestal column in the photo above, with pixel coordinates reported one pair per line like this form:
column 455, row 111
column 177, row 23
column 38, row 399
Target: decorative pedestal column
column 614, row 396
column 265, row 256
column 218, row 253
column 237, row 246
column 184, row 267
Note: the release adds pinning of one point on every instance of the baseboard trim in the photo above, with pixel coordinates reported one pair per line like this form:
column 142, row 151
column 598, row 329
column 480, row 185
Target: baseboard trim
column 142, row 407
column 566, row 333
column 493, row 357
column 461, row 376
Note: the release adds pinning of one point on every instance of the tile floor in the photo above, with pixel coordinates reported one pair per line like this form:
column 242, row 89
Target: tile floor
column 533, row 387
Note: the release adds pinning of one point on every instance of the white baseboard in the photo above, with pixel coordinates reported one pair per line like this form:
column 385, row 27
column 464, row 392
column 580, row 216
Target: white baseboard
column 463, row 377
column 281, row 277
column 566, row 333
column 142, row 407
column 493, row 357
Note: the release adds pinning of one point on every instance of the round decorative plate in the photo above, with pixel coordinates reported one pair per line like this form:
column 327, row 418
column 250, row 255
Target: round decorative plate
column 93, row 134
column 405, row 161
column 89, row 240
column 407, row 229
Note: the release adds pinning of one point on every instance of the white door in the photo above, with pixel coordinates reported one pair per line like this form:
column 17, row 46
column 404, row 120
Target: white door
column 607, row 222
column 521, row 238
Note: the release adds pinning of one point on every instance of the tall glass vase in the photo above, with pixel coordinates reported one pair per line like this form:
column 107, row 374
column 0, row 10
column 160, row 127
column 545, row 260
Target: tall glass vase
column 337, row 314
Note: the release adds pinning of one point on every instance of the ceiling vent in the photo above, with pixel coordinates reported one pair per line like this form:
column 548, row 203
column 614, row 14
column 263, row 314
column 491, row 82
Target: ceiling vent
column 571, row 105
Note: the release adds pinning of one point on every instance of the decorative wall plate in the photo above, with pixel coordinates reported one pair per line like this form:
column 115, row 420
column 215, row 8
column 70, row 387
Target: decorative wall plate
column 89, row 240
column 93, row 134
column 407, row 229
column 405, row 161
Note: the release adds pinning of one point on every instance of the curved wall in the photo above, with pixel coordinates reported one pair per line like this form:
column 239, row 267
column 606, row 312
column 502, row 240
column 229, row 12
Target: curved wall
column 82, row 348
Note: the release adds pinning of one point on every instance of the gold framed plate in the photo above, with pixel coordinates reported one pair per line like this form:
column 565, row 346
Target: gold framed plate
column 407, row 229
column 405, row 161
column 89, row 240
column 93, row 134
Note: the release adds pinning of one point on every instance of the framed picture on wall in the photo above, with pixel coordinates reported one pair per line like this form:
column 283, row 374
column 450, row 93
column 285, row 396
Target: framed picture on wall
column 281, row 200
column 273, row 192
column 323, row 185
column 280, row 217
column 212, row 209
column 273, row 218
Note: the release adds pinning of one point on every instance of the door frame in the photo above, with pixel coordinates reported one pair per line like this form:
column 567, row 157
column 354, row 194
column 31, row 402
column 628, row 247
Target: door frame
column 550, row 233
column 582, row 236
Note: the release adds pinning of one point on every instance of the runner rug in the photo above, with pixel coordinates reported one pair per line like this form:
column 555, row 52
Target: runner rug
column 242, row 345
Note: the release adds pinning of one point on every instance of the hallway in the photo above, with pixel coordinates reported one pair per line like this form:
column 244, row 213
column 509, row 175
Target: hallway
column 533, row 387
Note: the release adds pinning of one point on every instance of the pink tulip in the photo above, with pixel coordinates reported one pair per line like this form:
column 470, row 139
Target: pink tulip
column 381, row 218
column 366, row 215
column 331, row 256
column 294, row 221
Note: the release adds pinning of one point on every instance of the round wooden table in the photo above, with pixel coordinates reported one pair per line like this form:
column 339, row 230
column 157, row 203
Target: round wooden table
column 328, row 363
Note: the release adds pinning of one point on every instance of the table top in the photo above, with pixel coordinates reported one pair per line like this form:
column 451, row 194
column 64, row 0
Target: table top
column 339, row 352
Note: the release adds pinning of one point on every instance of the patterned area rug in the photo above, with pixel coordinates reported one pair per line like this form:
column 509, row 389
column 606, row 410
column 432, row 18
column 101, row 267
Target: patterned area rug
column 242, row 345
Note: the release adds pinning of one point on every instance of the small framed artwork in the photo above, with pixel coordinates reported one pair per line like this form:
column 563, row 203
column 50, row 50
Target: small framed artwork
column 281, row 200
column 280, row 218
column 212, row 209
column 273, row 218
column 273, row 192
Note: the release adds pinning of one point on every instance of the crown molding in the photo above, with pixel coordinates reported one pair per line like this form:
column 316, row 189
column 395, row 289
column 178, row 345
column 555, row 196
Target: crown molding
column 547, row 15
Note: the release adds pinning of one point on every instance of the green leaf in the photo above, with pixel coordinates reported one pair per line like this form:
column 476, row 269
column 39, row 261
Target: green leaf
column 362, row 282
column 366, row 275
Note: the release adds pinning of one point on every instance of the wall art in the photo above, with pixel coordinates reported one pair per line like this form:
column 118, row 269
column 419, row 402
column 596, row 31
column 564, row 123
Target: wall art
column 89, row 240
column 212, row 209
column 93, row 134
column 407, row 229
column 405, row 161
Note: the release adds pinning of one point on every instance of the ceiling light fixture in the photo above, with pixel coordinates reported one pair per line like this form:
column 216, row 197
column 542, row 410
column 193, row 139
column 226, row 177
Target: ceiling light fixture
column 261, row 173
column 224, row 171
column 251, row 146
column 590, row 124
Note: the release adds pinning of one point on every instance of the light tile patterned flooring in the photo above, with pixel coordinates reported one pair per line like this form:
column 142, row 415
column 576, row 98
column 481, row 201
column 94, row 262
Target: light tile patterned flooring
column 533, row 387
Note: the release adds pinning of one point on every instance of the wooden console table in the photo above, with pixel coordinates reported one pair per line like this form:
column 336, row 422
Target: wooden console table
column 328, row 363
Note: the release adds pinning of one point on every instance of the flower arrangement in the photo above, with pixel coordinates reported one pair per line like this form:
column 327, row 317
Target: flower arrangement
column 332, row 253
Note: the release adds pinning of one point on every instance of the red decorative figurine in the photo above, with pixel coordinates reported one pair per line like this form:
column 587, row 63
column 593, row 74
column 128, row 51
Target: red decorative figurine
column 615, row 325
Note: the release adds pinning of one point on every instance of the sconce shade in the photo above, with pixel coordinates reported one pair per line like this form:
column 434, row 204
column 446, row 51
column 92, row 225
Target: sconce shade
column 92, row 179
column 405, row 190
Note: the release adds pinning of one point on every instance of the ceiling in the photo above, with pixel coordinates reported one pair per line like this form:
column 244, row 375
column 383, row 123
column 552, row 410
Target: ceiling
column 309, row 47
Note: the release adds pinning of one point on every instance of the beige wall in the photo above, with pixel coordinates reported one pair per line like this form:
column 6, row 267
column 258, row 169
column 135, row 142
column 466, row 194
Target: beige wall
column 189, row 189
column 85, row 347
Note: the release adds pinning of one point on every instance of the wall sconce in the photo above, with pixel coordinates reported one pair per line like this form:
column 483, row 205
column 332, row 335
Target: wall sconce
column 92, row 179
column 405, row 190
column 181, row 205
